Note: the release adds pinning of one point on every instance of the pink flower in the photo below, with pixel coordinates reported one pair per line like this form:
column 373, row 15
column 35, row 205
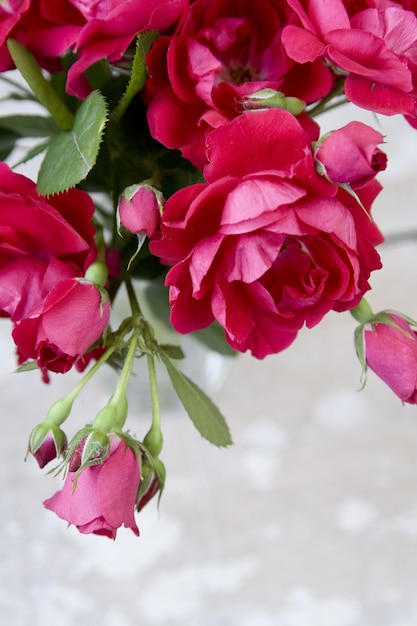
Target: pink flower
column 267, row 245
column 139, row 209
column 43, row 241
column 111, row 26
column 104, row 496
column 222, row 52
column 373, row 47
column 392, row 354
column 46, row 33
column 350, row 154
column 73, row 317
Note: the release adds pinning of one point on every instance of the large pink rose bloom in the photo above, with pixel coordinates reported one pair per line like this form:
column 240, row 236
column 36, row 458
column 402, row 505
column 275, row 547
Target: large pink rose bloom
column 43, row 241
column 375, row 48
column 392, row 354
column 105, row 495
column 223, row 51
column 268, row 245
column 74, row 315
column 45, row 244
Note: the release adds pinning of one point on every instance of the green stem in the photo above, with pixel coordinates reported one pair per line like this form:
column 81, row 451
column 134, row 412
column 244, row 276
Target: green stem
column 61, row 409
column 84, row 380
column 322, row 105
column 121, row 388
column 153, row 439
column 133, row 301
column 31, row 72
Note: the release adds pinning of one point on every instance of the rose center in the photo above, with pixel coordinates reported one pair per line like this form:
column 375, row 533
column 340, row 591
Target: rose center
column 239, row 74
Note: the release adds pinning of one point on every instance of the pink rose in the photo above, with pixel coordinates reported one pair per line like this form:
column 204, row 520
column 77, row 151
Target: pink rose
column 268, row 245
column 373, row 47
column 34, row 25
column 111, row 26
column 350, row 154
column 73, row 317
column 392, row 354
column 104, row 496
column 223, row 52
column 43, row 240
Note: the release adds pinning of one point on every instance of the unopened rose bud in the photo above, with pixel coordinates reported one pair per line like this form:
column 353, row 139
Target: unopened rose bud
column 46, row 443
column 151, row 482
column 390, row 347
column 91, row 450
column 271, row 99
column 140, row 208
column 351, row 155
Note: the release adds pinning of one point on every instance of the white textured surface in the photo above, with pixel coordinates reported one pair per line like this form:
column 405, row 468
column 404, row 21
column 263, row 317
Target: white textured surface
column 309, row 520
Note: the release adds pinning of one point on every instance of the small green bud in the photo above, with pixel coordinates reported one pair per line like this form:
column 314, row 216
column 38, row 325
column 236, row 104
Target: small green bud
column 272, row 99
column 153, row 441
column 59, row 411
column 362, row 312
column 106, row 419
column 97, row 273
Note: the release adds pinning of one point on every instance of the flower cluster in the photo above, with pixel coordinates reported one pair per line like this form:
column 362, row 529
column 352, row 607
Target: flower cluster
column 180, row 146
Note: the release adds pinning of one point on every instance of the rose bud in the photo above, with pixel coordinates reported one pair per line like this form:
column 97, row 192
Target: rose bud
column 46, row 443
column 391, row 352
column 351, row 154
column 140, row 208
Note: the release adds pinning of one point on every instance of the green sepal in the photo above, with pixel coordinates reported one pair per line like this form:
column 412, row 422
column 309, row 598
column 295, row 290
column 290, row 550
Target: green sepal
column 71, row 155
column 359, row 340
column 204, row 414
column 272, row 99
column 138, row 72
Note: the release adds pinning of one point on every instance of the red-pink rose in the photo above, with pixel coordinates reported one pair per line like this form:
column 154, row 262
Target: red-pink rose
column 374, row 48
column 111, row 26
column 351, row 154
column 268, row 245
column 392, row 354
column 223, row 52
column 104, row 496
column 43, row 240
column 73, row 317
column 35, row 26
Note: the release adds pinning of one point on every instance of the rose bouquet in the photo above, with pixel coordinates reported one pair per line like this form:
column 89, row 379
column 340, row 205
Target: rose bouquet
column 180, row 150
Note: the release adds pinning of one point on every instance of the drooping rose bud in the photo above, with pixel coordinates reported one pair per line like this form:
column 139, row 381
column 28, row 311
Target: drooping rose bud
column 351, row 154
column 152, row 482
column 46, row 443
column 91, row 450
column 391, row 352
column 140, row 208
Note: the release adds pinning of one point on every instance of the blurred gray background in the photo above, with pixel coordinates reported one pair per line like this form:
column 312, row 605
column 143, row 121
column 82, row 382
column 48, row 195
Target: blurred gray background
column 309, row 520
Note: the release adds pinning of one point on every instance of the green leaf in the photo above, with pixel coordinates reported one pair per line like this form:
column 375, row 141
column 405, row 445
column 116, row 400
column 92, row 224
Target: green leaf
column 204, row 414
column 213, row 338
column 8, row 141
column 29, row 125
column 71, row 155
